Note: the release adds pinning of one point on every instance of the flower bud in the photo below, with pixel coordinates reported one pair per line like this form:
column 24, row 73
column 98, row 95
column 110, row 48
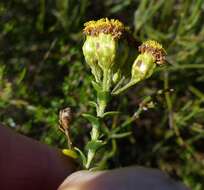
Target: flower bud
column 101, row 41
column 105, row 50
column 90, row 57
column 143, row 67
column 152, row 53
column 116, row 77
column 155, row 49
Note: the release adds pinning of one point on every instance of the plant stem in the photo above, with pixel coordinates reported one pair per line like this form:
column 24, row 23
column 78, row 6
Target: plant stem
column 91, row 152
column 90, row 157
column 103, row 95
column 106, row 80
column 102, row 99
column 69, row 142
column 128, row 85
column 102, row 103
column 95, row 133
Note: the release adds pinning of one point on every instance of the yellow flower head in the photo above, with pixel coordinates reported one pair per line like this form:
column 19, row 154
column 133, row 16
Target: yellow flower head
column 106, row 26
column 155, row 49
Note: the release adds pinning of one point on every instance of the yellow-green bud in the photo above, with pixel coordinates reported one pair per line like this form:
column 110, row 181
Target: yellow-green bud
column 152, row 53
column 106, row 50
column 90, row 57
column 104, row 34
column 143, row 67
column 116, row 77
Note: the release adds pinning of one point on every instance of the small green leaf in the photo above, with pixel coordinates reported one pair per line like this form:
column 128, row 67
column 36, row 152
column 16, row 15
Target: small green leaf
column 111, row 113
column 103, row 95
column 93, row 120
column 121, row 135
column 82, row 156
column 96, row 86
column 94, row 145
column 93, row 104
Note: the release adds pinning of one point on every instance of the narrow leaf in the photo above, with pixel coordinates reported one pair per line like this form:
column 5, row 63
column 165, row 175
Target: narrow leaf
column 93, row 104
column 111, row 113
column 82, row 156
column 121, row 135
column 96, row 86
column 93, row 120
column 94, row 145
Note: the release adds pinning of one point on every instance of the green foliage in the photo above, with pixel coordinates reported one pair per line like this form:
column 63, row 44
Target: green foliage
column 42, row 70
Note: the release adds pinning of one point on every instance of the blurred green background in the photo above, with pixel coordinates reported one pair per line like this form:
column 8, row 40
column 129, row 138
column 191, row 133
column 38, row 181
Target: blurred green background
column 42, row 70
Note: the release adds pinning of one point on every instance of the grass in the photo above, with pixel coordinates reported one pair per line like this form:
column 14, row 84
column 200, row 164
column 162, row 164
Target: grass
column 42, row 70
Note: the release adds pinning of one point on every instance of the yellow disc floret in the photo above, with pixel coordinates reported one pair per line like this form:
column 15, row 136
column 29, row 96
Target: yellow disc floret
column 106, row 26
column 155, row 49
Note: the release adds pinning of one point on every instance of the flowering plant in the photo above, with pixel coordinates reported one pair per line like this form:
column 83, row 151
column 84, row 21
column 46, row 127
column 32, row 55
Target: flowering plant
column 111, row 79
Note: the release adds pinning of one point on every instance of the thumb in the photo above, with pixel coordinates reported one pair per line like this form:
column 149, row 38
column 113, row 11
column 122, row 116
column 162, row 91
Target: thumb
column 129, row 178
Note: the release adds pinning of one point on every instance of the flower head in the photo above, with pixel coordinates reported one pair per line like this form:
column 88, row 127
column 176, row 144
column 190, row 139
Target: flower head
column 151, row 54
column 101, row 44
column 155, row 49
column 105, row 26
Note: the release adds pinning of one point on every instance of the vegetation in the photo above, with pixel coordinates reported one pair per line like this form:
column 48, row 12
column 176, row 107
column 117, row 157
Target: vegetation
column 42, row 70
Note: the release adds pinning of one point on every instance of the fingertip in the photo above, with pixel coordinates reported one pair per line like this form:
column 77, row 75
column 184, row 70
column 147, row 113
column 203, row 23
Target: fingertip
column 78, row 180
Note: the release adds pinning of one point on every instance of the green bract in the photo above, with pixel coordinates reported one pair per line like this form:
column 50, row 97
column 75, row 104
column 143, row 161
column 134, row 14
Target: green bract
column 89, row 50
column 152, row 53
column 143, row 67
column 105, row 49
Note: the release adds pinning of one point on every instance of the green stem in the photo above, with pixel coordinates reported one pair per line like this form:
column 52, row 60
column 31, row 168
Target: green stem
column 103, row 96
column 90, row 156
column 106, row 80
column 124, row 88
column 92, row 152
column 119, row 84
column 69, row 142
column 102, row 99
column 102, row 103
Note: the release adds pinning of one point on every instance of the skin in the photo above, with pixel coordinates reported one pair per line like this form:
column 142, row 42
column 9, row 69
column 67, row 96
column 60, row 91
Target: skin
column 28, row 164
column 130, row 178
